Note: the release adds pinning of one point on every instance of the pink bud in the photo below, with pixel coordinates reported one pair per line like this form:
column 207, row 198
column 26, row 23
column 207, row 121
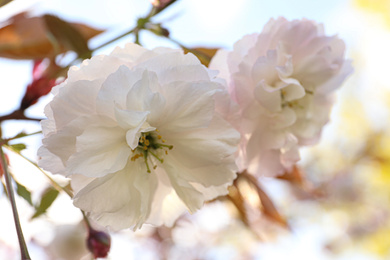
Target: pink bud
column 160, row 3
column 98, row 243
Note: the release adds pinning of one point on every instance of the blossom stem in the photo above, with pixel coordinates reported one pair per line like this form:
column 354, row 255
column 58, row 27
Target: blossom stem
column 22, row 244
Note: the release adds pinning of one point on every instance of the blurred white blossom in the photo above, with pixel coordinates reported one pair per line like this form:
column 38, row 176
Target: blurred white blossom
column 282, row 80
column 138, row 134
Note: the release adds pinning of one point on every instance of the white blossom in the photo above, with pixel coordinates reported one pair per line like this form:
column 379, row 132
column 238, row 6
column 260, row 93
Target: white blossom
column 138, row 134
column 282, row 80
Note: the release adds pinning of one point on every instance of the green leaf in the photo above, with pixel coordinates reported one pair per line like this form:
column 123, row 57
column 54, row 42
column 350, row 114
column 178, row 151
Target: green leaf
column 18, row 147
column 47, row 199
column 23, row 192
column 20, row 135
column 67, row 35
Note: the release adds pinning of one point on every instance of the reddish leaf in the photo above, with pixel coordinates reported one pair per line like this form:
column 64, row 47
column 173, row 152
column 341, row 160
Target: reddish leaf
column 44, row 79
column 28, row 38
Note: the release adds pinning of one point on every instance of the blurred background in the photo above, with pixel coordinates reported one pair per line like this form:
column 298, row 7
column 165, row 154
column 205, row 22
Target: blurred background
column 339, row 206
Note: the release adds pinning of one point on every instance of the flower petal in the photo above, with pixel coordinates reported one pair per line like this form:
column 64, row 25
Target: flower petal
column 114, row 90
column 185, row 111
column 100, row 150
column 119, row 200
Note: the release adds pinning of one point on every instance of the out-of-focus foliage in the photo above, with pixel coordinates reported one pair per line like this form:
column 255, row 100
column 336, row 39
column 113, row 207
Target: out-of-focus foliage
column 380, row 7
column 40, row 37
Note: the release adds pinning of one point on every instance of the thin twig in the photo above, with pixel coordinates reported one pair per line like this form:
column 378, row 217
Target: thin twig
column 18, row 115
column 22, row 243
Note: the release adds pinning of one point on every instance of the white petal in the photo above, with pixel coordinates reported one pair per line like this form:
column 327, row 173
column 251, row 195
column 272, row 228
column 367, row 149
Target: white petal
column 167, row 206
column 75, row 100
column 174, row 66
column 219, row 62
column 130, row 118
column 62, row 143
column 191, row 197
column 206, row 155
column 271, row 100
column 191, row 105
column 50, row 161
column 119, row 200
column 91, row 69
column 114, row 90
column 100, row 150
column 292, row 89
column 138, row 96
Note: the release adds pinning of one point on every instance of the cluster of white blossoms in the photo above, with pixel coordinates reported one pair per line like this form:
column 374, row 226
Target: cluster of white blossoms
column 282, row 80
column 144, row 135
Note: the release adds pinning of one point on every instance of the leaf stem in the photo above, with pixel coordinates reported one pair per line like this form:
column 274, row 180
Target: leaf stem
column 22, row 244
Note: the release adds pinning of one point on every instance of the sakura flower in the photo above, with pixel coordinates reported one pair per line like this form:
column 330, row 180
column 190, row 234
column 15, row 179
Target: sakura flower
column 282, row 80
column 138, row 134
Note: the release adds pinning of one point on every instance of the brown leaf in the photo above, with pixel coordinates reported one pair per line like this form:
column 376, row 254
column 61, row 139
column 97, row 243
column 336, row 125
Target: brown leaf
column 67, row 35
column 28, row 38
column 4, row 2
column 295, row 176
column 204, row 54
column 238, row 201
column 268, row 207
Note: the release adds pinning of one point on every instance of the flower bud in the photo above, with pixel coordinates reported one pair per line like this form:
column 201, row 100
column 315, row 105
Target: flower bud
column 160, row 3
column 98, row 243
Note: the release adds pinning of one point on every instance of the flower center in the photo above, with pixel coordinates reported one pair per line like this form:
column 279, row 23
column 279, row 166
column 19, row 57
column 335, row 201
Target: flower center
column 151, row 147
column 293, row 103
